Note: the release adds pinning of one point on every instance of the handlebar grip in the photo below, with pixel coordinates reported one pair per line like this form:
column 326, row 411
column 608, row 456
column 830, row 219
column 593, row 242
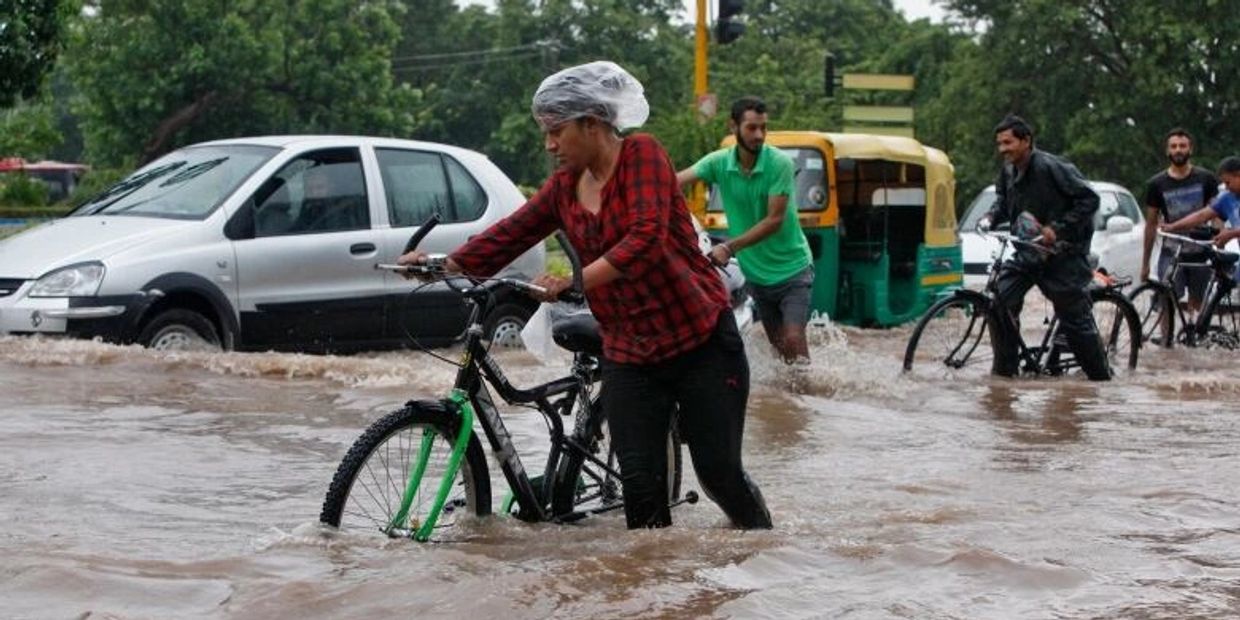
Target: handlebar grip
column 423, row 230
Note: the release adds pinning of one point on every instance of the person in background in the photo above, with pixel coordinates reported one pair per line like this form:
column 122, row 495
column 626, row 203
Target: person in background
column 1179, row 190
column 1047, row 197
column 757, row 185
column 1225, row 206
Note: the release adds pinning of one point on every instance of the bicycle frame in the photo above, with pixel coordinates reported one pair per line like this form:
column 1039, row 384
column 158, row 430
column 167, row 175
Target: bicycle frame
column 472, row 400
column 1033, row 360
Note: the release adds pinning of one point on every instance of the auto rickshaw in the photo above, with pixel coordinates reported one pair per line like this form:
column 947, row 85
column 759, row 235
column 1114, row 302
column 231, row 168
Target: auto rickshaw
column 879, row 214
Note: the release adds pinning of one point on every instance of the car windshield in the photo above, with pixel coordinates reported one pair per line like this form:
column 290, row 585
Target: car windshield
column 1110, row 203
column 187, row 184
column 977, row 209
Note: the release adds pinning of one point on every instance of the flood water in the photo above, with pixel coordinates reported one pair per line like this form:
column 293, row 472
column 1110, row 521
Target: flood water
column 135, row 484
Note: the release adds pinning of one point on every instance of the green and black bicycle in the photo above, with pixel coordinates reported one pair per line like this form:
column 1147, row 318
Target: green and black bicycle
column 419, row 471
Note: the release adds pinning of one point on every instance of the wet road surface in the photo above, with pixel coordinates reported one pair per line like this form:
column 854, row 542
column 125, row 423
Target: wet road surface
column 136, row 484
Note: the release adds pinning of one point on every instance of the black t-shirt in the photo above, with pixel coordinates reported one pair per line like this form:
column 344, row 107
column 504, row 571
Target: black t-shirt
column 1176, row 198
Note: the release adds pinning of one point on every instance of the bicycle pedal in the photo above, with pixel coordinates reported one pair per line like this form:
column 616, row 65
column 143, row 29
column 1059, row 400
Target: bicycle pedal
column 691, row 497
column 571, row 517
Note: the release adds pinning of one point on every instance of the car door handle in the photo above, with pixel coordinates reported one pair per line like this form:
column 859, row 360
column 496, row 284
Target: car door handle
column 361, row 248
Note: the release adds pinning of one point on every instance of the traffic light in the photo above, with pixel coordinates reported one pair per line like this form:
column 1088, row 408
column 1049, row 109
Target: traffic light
column 727, row 29
column 828, row 75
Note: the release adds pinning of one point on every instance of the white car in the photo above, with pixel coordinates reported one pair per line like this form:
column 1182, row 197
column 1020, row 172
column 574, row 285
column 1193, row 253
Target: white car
column 264, row 243
column 1119, row 231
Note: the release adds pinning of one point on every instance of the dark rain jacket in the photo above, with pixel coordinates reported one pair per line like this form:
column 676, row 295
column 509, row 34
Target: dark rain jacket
column 1055, row 192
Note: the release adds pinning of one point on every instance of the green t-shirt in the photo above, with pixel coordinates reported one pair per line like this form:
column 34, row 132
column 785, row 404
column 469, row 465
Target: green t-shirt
column 785, row 253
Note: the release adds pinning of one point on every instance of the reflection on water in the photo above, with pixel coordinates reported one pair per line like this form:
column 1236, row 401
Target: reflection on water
column 137, row 484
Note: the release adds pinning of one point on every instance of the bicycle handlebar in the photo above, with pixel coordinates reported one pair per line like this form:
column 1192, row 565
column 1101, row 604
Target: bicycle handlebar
column 1014, row 240
column 423, row 230
column 1186, row 239
column 435, row 265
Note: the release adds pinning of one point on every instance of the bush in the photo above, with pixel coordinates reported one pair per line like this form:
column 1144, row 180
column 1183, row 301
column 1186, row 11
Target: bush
column 20, row 212
column 21, row 190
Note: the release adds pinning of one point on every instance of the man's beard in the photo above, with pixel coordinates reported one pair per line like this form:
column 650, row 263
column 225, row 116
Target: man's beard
column 740, row 141
column 1179, row 159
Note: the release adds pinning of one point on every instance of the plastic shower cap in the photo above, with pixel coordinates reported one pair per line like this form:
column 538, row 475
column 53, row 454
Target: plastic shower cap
column 599, row 89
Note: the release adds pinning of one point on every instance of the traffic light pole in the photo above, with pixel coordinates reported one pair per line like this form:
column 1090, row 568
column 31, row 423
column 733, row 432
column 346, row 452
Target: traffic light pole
column 699, row 52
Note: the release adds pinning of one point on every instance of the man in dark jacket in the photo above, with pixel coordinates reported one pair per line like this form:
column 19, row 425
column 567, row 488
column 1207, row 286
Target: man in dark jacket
column 1036, row 186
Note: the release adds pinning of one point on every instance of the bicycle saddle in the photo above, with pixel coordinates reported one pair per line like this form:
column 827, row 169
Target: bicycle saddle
column 1226, row 259
column 578, row 333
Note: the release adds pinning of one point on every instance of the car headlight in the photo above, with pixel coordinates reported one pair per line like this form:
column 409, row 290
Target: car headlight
column 73, row 281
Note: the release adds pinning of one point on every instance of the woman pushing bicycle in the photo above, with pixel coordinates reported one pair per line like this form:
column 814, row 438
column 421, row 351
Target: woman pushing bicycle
column 670, row 342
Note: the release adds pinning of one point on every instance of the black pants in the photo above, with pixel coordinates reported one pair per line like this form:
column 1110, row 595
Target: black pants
column 709, row 387
column 1063, row 279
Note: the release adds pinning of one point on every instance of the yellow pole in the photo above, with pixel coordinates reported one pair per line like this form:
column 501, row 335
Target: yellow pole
column 697, row 195
column 699, row 52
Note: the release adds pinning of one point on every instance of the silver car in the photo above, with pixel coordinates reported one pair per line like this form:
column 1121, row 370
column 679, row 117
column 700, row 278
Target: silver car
column 264, row 243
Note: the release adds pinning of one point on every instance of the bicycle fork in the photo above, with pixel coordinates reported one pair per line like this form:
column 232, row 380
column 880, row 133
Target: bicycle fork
column 418, row 469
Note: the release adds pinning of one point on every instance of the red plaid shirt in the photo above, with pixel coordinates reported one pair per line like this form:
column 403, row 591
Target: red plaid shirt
column 669, row 297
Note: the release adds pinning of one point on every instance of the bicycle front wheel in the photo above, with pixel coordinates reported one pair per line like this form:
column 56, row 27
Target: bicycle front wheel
column 1155, row 310
column 583, row 485
column 1119, row 328
column 952, row 336
column 369, row 487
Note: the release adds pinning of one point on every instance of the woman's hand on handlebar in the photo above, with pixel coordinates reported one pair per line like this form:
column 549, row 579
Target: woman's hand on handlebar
column 418, row 258
column 554, row 285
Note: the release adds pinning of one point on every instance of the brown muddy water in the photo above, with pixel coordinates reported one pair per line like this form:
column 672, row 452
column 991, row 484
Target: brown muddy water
column 142, row 485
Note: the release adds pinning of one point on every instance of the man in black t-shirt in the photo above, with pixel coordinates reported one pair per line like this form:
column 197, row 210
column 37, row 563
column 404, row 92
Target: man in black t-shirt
column 1180, row 190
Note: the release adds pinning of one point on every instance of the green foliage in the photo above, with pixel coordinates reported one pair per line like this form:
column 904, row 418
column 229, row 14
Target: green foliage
column 478, row 70
column 28, row 130
column 19, row 189
column 34, row 213
column 31, row 33
column 156, row 75
column 1101, row 81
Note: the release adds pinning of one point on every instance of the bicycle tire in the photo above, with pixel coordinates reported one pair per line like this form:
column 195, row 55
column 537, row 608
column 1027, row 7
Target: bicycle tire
column 581, row 486
column 1155, row 310
column 1119, row 327
column 383, row 469
column 949, row 335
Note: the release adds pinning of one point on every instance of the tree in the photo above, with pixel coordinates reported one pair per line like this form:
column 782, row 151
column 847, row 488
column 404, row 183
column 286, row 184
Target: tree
column 31, row 35
column 1101, row 80
column 479, row 69
column 158, row 74
column 28, row 130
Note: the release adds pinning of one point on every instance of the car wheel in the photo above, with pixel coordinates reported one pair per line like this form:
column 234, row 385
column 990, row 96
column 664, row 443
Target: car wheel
column 503, row 326
column 179, row 330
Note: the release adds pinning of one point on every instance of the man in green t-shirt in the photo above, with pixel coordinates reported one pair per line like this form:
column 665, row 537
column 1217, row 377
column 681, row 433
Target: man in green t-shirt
column 758, row 189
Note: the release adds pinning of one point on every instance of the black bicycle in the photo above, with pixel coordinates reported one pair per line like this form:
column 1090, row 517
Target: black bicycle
column 954, row 333
column 418, row 470
column 1217, row 324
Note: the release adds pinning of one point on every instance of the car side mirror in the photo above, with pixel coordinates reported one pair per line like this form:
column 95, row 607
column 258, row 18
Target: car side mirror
column 241, row 225
column 1119, row 224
